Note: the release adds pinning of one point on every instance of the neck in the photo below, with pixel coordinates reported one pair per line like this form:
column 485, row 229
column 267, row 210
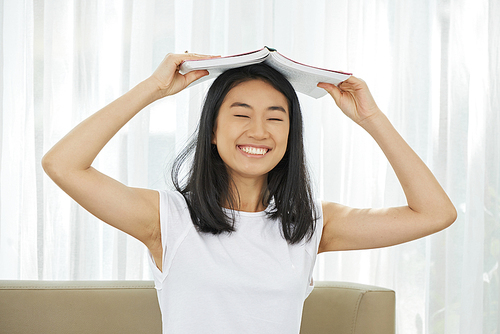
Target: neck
column 251, row 194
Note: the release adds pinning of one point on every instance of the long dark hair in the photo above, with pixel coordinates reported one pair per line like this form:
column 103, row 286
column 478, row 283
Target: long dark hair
column 207, row 186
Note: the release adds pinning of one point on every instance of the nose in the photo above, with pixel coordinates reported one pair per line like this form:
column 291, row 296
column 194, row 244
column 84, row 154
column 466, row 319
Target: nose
column 257, row 129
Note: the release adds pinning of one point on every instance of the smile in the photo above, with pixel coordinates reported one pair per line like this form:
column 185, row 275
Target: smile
column 254, row 150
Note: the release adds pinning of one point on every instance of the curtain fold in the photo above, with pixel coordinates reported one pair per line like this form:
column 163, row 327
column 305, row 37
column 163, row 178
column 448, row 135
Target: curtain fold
column 433, row 67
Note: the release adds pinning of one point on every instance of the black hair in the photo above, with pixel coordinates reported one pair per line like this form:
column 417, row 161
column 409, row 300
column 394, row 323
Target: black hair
column 207, row 186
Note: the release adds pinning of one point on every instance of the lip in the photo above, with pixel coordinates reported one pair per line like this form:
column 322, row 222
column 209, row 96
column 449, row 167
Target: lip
column 267, row 148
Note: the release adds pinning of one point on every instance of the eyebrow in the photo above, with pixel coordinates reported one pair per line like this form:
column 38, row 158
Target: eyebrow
column 244, row 105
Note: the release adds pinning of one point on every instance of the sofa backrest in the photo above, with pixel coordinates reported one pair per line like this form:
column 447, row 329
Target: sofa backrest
column 63, row 307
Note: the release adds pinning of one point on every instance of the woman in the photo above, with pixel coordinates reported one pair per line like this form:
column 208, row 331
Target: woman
column 232, row 250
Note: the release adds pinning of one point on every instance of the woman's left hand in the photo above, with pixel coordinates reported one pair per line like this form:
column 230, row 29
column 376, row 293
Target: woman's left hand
column 353, row 97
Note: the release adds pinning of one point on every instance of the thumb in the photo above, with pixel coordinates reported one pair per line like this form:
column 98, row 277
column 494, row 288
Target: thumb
column 194, row 75
column 333, row 90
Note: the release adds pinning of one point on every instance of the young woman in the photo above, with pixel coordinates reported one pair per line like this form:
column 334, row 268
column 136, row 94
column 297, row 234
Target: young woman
column 233, row 248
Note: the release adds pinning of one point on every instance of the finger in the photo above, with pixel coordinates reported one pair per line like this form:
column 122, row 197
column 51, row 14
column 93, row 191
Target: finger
column 192, row 54
column 333, row 90
column 354, row 83
column 200, row 57
column 179, row 58
column 326, row 86
column 194, row 75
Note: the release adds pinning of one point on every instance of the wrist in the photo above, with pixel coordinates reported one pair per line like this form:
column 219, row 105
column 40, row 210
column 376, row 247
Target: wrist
column 151, row 88
column 375, row 122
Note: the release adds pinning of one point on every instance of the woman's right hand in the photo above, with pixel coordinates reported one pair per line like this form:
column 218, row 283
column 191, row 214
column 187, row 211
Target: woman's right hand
column 167, row 77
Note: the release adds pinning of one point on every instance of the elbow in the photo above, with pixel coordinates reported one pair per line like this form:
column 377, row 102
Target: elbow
column 448, row 216
column 50, row 166
column 61, row 168
column 47, row 164
column 453, row 215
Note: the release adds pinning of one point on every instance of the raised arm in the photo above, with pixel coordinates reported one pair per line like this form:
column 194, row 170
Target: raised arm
column 68, row 163
column 429, row 209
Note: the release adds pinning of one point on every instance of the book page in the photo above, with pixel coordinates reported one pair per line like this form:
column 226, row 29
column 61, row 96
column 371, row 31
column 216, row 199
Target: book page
column 304, row 78
column 224, row 63
column 215, row 66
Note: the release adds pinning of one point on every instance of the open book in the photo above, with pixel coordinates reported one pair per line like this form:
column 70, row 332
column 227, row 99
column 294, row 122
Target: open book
column 303, row 78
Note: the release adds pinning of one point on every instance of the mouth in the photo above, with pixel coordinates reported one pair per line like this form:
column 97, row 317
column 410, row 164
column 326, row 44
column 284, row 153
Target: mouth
column 252, row 150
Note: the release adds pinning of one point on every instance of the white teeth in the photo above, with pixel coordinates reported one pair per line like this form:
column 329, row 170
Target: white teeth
column 254, row 150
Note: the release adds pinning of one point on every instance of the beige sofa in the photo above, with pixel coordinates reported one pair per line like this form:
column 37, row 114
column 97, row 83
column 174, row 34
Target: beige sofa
column 131, row 307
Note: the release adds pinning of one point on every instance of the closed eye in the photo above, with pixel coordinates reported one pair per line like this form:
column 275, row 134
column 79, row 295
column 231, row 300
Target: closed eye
column 276, row 119
column 244, row 116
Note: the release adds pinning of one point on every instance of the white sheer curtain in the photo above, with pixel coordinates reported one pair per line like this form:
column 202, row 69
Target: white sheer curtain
column 433, row 66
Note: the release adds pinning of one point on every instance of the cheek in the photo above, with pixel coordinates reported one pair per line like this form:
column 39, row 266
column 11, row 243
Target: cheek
column 219, row 131
column 217, row 136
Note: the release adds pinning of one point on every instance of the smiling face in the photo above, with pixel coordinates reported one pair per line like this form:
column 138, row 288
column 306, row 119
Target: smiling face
column 251, row 130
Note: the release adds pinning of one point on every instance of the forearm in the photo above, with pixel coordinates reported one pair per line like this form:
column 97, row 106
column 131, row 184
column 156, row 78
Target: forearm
column 423, row 192
column 429, row 209
column 78, row 149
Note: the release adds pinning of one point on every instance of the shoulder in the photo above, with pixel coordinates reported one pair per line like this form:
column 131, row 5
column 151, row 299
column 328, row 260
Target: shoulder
column 171, row 200
column 332, row 216
column 317, row 226
column 331, row 211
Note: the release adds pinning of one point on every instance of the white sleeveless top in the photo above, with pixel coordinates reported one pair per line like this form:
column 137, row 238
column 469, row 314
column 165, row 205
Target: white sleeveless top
column 250, row 281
